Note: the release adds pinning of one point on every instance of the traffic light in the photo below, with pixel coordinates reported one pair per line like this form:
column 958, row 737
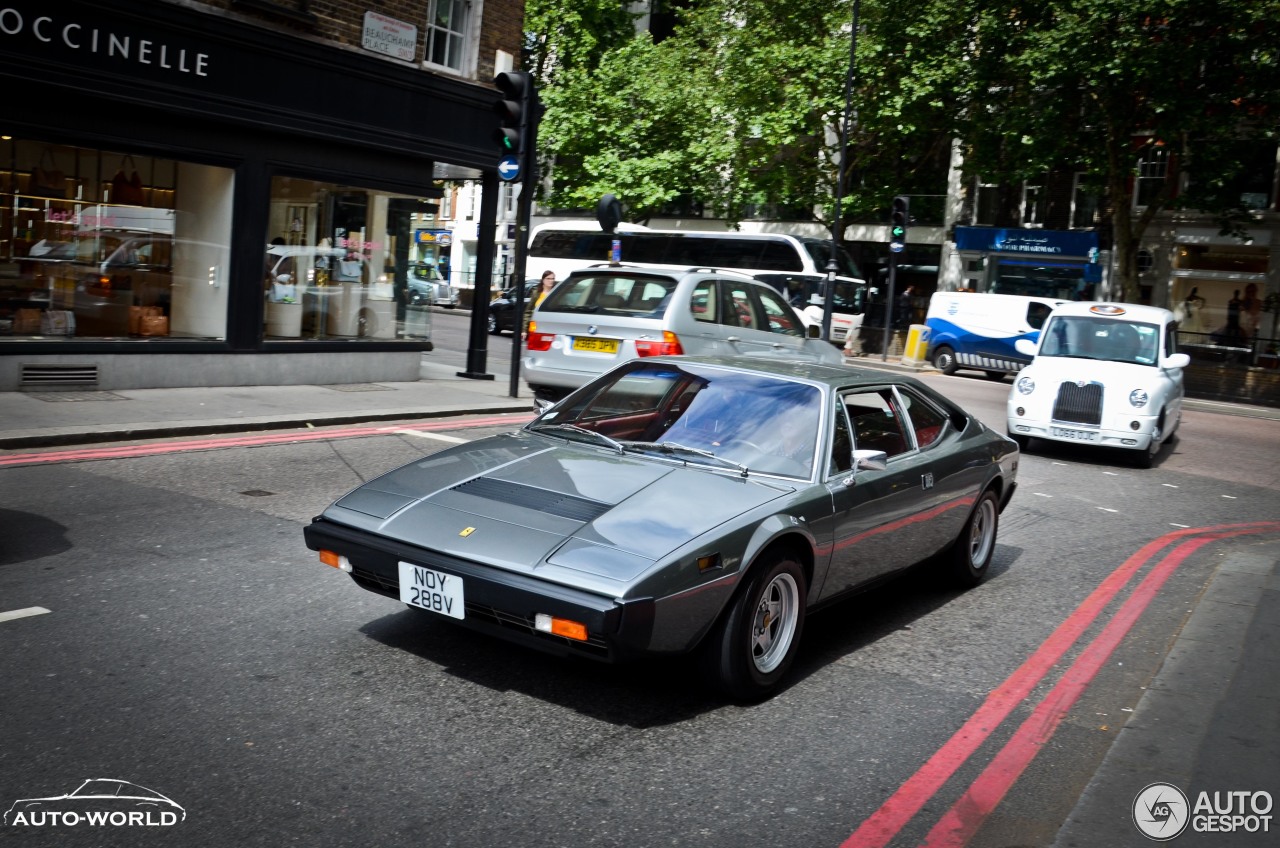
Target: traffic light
column 898, row 221
column 514, row 108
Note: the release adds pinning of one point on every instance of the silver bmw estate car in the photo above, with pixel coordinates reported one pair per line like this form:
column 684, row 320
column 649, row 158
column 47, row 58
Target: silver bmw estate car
column 600, row 316
column 684, row 504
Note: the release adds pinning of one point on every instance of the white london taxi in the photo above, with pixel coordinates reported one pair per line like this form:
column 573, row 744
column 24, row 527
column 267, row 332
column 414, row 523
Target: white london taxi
column 1104, row 374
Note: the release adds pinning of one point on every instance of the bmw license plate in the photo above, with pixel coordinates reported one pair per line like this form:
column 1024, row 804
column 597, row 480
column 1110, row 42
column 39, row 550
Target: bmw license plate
column 1078, row 435
column 432, row 590
column 595, row 345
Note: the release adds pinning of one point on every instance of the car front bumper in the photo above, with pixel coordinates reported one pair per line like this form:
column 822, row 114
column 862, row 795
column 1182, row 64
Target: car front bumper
column 498, row 602
column 1125, row 437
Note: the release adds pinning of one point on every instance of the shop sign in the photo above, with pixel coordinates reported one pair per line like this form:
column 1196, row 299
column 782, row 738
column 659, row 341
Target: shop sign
column 1026, row 242
column 389, row 36
column 441, row 237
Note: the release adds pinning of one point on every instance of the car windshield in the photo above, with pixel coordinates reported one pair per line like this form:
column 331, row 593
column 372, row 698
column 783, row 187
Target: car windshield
column 1106, row 339
column 624, row 295
column 698, row 415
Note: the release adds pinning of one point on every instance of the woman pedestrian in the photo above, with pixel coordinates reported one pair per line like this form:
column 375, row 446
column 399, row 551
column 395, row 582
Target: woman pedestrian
column 545, row 285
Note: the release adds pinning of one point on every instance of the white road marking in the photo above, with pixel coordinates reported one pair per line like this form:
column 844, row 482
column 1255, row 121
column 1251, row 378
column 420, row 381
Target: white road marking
column 1231, row 497
column 1041, row 495
column 1176, row 524
column 1170, row 485
column 22, row 613
column 1111, row 473
column 437, row 436
column 1104, row 509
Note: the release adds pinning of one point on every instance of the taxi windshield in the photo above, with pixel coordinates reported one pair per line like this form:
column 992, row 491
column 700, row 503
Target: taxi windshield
column 1106, row 339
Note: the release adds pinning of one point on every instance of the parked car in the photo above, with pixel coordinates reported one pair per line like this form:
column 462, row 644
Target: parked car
column 427, row 287
column 1105, row 374
column 684, row 504
column 502, row 309
column 600, row 316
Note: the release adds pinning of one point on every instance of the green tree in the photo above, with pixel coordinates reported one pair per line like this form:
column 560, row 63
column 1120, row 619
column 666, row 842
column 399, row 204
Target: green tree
column 1103, row 84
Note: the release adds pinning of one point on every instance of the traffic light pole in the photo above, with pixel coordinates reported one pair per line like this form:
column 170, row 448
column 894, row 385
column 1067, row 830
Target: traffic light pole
column 888, row 306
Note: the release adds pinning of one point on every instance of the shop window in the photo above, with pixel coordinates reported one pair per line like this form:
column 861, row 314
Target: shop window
column 344, row 262
column 99, row 244
column 448, row 34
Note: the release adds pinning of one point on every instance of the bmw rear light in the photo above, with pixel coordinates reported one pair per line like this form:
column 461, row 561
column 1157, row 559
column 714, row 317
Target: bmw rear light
column 539, row 341
column 669, row 346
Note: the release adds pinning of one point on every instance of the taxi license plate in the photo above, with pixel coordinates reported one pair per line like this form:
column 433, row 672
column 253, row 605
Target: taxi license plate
column 1078, row 435
column 595, row 345
column 432, row 590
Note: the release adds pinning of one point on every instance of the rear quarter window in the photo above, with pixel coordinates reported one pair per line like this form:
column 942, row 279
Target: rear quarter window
column 612, row 294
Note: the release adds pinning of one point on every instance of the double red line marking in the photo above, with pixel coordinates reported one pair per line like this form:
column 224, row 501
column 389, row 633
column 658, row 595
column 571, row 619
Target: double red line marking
column 132, row 450
column 963, row 819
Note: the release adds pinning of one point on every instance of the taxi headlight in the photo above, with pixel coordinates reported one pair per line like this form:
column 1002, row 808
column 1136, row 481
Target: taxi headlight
column 1026, row 385
column 1138, row 398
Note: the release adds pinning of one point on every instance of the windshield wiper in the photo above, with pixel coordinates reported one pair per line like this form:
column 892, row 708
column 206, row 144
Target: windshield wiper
column 574, row 428
column 676, row 447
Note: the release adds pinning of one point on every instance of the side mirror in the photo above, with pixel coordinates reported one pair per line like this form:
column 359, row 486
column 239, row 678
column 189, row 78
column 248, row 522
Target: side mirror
column 1177, row 360
column 813, row 331
column 871, row 460
column 1026, row 347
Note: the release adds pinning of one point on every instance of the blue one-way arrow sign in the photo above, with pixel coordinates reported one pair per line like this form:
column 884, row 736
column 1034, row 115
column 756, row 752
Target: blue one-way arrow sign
column 508, row 168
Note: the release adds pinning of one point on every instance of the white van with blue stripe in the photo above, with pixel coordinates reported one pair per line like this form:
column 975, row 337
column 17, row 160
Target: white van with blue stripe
column 978, row 331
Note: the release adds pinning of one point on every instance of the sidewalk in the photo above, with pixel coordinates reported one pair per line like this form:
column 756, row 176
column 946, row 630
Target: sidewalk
column 45, row 419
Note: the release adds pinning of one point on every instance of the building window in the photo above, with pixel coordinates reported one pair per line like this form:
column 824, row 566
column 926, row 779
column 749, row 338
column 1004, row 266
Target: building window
column 109, row 244
column 342, row 262
column 1085, row 203
column 448, row 30
column 986, row 207
column 1032, row 211
column 1153, row 169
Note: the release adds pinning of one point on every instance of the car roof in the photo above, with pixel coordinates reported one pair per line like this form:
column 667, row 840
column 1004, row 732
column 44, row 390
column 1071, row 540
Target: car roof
column 1125, row 311
column 662, row 271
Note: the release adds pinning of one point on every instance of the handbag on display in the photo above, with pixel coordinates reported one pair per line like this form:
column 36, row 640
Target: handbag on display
column 348, row 270
column 48, row 182
column 127, row 189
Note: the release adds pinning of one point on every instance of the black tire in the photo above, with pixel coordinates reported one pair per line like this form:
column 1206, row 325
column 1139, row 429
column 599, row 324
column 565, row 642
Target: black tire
column 1147, row 457
column 944, row 359
column 493, row 325
column 967, row 562
column 997, row 376
column 752, row 646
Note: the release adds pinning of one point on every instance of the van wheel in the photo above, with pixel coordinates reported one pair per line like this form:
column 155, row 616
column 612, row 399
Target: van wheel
column 997, row 376
column 944, row 359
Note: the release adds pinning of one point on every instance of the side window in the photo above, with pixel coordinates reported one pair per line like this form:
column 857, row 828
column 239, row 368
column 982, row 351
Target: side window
column 841, row 444
column 702, row 303
column 1037, row 314
column 875, row 421
column 1170, row 339
column 926, row 421
column 739, row 309
column 781, row 318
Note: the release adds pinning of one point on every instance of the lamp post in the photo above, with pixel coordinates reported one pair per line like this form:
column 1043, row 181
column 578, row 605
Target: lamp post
column 836, row 224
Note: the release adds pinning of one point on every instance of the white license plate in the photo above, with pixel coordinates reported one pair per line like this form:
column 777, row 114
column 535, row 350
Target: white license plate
column 431, row 590
column 1078, row 435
